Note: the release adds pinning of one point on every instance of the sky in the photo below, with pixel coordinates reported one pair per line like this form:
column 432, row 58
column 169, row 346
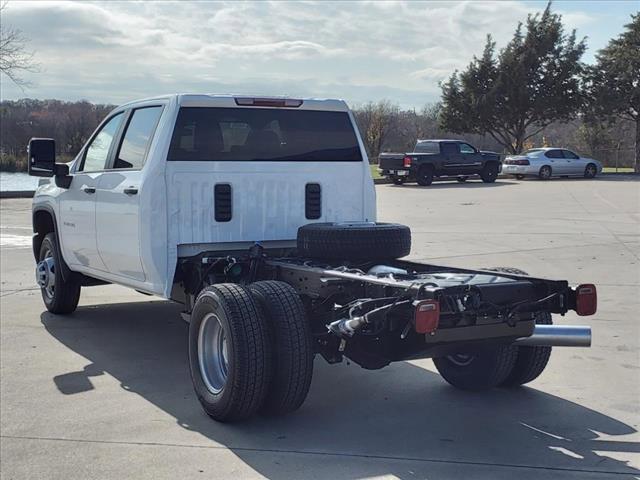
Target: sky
column 113, row 52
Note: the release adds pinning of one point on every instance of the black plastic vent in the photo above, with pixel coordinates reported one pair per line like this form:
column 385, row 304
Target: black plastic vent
column 312, row 201
column 222, row 199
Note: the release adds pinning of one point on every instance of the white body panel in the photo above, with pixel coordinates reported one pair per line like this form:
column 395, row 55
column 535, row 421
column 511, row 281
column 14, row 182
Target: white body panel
column 133, row 240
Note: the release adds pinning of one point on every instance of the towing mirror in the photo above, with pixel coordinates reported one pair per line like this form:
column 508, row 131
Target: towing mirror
column 42, row 157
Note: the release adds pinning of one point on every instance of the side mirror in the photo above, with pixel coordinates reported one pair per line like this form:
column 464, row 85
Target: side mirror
column 42, row 157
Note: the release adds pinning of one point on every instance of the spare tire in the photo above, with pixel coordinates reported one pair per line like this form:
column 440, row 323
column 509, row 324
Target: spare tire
column 354, row 241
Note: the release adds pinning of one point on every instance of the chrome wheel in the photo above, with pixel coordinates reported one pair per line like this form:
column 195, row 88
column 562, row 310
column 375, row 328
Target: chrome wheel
column 545, row 173
column 461, row 359
column 590, row 171
column 213, row 353
column 46, row 274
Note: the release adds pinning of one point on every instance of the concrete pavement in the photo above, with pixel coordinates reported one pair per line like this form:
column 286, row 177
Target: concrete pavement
column 105, row 393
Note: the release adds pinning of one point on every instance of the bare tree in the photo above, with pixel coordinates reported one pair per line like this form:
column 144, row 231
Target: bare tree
column 15, row 59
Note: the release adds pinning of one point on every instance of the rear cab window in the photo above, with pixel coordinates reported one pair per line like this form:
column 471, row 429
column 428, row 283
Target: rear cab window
column 263, row 134
column 427, row 147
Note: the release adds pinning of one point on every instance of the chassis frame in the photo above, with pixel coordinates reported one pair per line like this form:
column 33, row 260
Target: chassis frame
column 340, row 294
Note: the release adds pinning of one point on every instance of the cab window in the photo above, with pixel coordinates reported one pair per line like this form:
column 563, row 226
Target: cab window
column 466, row 148
column 137, row 138
column 449, row 148
column 553, row 154
column 97, row 153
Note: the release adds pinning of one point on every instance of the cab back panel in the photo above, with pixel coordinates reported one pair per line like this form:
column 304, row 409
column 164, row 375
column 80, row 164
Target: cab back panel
column 267, row 198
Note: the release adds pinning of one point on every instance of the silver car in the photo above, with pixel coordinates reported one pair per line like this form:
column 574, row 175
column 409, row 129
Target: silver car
column 550, row 162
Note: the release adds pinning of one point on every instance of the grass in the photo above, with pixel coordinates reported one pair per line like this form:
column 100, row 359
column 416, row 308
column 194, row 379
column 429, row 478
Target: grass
column 12, row 163
column 374, row 171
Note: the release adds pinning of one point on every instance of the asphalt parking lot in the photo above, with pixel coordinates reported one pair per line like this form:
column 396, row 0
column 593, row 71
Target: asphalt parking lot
column 106, row 393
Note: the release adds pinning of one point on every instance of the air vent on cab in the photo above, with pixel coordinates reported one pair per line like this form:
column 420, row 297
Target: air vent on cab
column 312, row 201
column 222, row 200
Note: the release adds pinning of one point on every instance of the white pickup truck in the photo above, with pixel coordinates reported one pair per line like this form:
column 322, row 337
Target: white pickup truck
column 258, row 214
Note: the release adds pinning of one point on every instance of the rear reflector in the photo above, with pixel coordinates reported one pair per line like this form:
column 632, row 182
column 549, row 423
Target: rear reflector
column 406, row 162
column 427, row 315
column 586, row 299
column 268, row 102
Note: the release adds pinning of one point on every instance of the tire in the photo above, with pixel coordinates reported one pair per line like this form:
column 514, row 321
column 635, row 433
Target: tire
column 519, row 176
column 461, row 179
column 397, row 180
column 229, row 352
column 291, row 342
column 355, row 241
column 530, row 361
column 485, row 368
column 545, row 172
column 590, row 171
column 425, row 175
column 489, row 172
column 59, row 296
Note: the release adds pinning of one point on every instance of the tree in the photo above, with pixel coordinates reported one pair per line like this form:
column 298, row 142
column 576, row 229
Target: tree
column 533, row 81
column 376, row 121
column 15, row 59
column 614, row 81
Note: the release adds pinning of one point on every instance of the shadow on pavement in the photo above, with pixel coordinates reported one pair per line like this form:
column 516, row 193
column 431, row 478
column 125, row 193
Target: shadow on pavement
column 400, row 412
column 439, row 184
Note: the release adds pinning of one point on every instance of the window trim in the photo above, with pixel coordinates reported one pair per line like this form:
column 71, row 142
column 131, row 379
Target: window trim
column 85, row 149
column 120, row 139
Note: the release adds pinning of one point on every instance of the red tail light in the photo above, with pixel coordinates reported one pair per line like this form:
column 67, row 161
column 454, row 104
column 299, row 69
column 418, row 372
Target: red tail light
column 586, row 299
column 427, row 315
column 406, row 162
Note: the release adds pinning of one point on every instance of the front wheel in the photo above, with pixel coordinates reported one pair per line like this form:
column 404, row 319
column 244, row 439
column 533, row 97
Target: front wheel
column 489, row 173
column 59, row 295
column 229, row 352
column 481, row 369
column 590, row 171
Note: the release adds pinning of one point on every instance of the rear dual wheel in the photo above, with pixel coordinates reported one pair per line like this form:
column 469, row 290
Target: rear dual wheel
column 249, row 349
column 493, row 366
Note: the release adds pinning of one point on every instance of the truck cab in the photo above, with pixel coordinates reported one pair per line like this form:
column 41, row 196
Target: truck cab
column 176, row 175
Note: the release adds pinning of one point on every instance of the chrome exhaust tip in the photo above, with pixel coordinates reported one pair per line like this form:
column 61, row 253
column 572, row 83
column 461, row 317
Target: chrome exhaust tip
column 558, row 336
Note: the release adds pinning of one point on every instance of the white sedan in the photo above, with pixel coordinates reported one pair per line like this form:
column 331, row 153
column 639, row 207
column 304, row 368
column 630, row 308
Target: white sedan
column 550, row 162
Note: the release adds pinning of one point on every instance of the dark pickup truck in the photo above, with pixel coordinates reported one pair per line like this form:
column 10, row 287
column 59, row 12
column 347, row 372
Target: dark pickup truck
column 440, row 158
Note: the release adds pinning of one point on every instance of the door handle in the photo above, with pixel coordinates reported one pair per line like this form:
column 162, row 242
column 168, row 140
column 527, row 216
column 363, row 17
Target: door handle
column 131, row 191
column 89, row 190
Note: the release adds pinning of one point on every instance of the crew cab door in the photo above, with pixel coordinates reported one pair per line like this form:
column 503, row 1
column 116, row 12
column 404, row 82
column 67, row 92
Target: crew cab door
column 78, row 204
column 118, row 215
column 471, row 159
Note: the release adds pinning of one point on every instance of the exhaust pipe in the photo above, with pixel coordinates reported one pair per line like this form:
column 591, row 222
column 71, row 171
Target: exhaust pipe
column 557, row 336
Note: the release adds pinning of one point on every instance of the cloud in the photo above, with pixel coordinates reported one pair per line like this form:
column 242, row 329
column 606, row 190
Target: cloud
column 113, row 51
